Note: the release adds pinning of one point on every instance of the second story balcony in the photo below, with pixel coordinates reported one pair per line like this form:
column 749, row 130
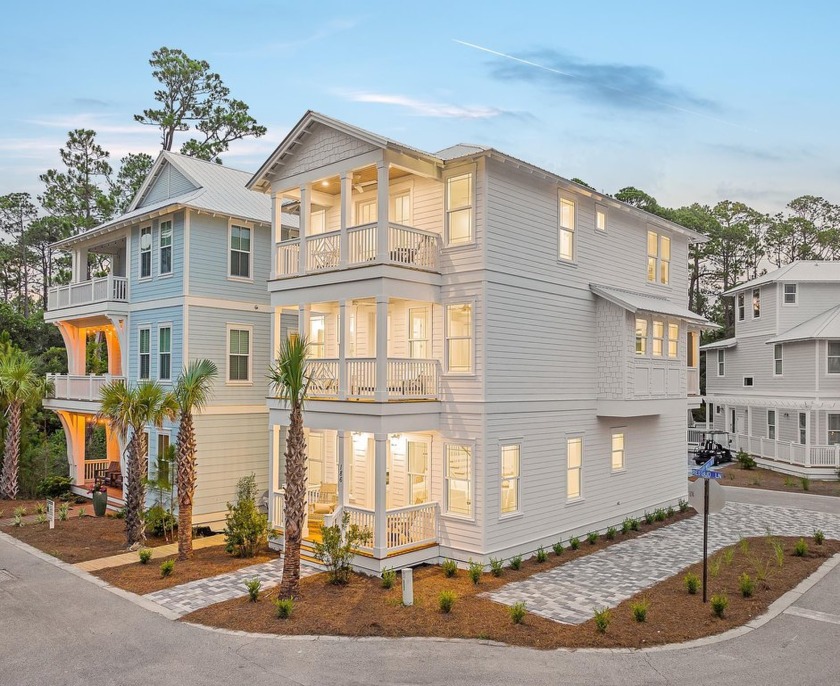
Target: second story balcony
column 359, row 379
column 93, row 291
column 84, row 387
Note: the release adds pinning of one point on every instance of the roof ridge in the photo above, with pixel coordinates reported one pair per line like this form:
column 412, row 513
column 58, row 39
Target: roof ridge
column 215, row 165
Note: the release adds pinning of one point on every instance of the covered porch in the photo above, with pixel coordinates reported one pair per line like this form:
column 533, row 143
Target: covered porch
column 93, row 452
column 102, row 279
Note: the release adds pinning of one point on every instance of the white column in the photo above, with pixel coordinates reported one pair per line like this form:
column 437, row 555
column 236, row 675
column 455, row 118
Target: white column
column 708, row 414
column 808, row 440
column 303, row 320
column 382, row 211
column 749, row 412
column 346, row 198
column 276, row 230
column 380, row 491
column 342, row 487
column 305, row 209
column 381, row 394
column 80, row 265
column 341, row 329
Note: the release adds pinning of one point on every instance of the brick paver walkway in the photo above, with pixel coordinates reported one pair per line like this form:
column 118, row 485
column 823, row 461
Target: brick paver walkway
column 194, row 595
column 571, row 592
column 157, row 553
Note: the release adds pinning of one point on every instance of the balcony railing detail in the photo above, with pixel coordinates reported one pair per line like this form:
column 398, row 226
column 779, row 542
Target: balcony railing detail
column 412, row 379
column 322, row 251
column 102, row 289
column 93, row 468
column 323, row 378
column 87, row 387
column 408, row 379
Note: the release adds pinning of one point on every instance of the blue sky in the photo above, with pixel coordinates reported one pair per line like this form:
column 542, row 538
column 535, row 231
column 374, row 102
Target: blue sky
column 719, row 101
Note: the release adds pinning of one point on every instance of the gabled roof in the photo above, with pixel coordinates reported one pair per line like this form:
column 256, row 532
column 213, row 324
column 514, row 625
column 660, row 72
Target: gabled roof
column 799, row 271
column 722, row 344
column 453, row 152
column 642, row 302
column 825, row 325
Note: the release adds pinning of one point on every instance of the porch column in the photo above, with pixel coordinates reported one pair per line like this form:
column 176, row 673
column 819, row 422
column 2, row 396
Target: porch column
column 807, row 435
column 346, row 195
column 382, row 191
column 80, row 265
column 749, row 411
column 342, row 349
column 381, row 394
column 303, row 320
column 112, row 344
column 380, row 490
column 708, row 414
column 305, row 209
column 75, row 343
column 342, row 488
column 276, row 230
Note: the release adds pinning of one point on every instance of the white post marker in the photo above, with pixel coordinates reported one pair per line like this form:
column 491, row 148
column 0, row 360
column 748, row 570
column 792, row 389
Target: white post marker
column 407, row 575
column 51, row 513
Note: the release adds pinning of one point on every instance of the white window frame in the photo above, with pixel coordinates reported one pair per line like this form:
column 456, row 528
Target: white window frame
column 517, row 485
column 421, row 312
column 785, row 295
column 447, row 337
column 660, row 264
column 321, row 213
column 721, row 363
column 313, row 344
column 742, row 308
column 830, row 431
column 622, row 451
column 673, row 343
column 771, row 425
column 398, row 194
column 141, row 252
column 778, row 359
column 564, row 199
column 160, row 327
column 654, row 339
column 578, row 470
column 147, row 328
column 642, row 350
column 751, row 380
column 232, row 326
column 447, row 210
column 167, row 435
column 470, row 448
column 829, row 357
column 170, row 247
column 756, row 301
column 425, row 475
column 230, row 275
column 803, row 427
column 600, row 214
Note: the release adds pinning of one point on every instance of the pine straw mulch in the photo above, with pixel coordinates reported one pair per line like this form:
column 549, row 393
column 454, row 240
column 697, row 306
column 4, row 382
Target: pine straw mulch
column 363, row 608
column 206, row 562
column 734, row 475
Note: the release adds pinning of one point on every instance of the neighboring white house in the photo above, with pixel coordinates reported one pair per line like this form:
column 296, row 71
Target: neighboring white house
column 502, row 358
column 776, row 384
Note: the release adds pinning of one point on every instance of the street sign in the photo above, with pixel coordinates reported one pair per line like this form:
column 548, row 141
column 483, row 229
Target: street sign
column 696, row 498
column 51, row 513
column 706, row 471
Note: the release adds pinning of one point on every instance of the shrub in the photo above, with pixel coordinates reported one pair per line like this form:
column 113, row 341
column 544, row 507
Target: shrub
column 692, row 583
column 648, row 518
column 41, row 519
column 762, row 569
column 542, row 556
column 558, row 548
column 574, row 543
column 20, row 511
column 40, row 508
column 611, row 532
column 683, row 505
column 806, row 483
column 819, row 536
column 475, row 570
column 745, row 460
column 120, row 514
column 714, row 566
column 284, row 606
column 602, row 620
column 450, row 568
column 779, row 551
column 54, row 487
column 516, row 562
column 496, row 566
column 167, row 567
column 744, row 544
column 145, row 555
column 17, row 520
column 634, row 523
column 446, row 599
column 800, row 549
column 790, row 483
column 63, row 512
column 81, row 513
column 671, row 511
column 719, row 604
column 253, row 586
column 160, row 521
column 626, row 526
column 517, row 612
column 592, row 537
column 640, row 609
column 389, row 577
column 746, row 584
column 728, row 555
column 246, row 528
column 659, row 514
column 338, row 545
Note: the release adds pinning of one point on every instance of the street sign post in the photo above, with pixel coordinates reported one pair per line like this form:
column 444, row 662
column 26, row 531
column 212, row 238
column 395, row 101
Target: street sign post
column 706, row 505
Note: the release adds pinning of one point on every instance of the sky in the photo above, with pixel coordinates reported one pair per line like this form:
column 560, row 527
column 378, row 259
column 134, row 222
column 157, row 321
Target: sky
column 691, row 102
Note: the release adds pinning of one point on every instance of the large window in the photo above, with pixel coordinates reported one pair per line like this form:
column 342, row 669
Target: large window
column 574, row 465
column 833, row 361
column 459, row 333
column 673, row 341
column 239, row 354
column 658, row 338
column 418, row 471
column 617, row 451
column 757, row 303
column 510, row 470
column 165, row 353
column 803, row 428
column 641, row 336
column 317, row 336
column 163, row 464
column 145, row 252
column 365, row 212
column 458, row 480
column 418, row 333
column 459, row 209
column 402, row 208
column 833, row 429
column 659, row 258
column 721, row 363
column 566, row 236
column 777, row 359
column 771, row 424
column 790, row 294
column 166, row 247
column 741, row 307
column 240, row 251
column 145, row 353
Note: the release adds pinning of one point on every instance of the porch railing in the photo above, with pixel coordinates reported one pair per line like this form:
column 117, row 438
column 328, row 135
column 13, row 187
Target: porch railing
column 322, row 251
column 92, row 467
column 361, row 377
column 323, row 378
column 411, row 526
column 365, row 520
column 789, row 452
column 96, row 290
column 412, row 379
column 87, row 387
column 692, row 377
column 408, row 379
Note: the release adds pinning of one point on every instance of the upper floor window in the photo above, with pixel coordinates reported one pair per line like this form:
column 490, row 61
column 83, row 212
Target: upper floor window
column 166, row 247
column 239, row 354
column 617, row 451
column 317, row 336
column 459, row 209
column 317, row 222
column 658, row 338
column 833, row 429
column 600, row 218
column 145, row 353
column 659, row 258
column 165, row 353
column 673, row 341
column 458, row 476
column 418, row 333
column 459, row 338
column 777, row 359
column 748, row 381
column 574, row 467
column 240, row 251
column 641, row 336
column 721, row 362
column 510, row 478
column 834, row 357
column 145, row 252
column 756, row 303
column 402, row 208
column 365, row 212
column 790, row 294
column 771, row 424
column 741, row 307
column 566, row 236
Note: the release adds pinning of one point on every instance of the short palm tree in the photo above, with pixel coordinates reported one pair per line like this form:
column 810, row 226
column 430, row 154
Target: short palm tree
column 288, row 375
column 192, row 391
column 19, row 386
column 130, row 410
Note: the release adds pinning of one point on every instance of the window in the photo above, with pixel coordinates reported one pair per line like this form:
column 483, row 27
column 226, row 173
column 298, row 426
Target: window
column 418, row 333
column 166, row 247
column 145, row 252
column 574, row 463
column 741, row 307
column 641, row 336
column 163, row 464
column 418, row 472
column 240, row 251
column 833, row 429
column 834, row 357
column 673, row 341
column 600, row 218
column 402, row 208
column 658, row 338
column 458, row 480
column 239, row 354
column 721, row 362
column 777, row 359
column 790, row 294
column 459, row 211
column 748, row 381
column 315, row 458
column 566, row 237
column 165, row 353
column 365, row 212
column 771, row 424
column 692, row 339
column 317, row 222
column 756, row 303
column 145, row 353
column 459, row 344
column 617, row 451
column 510, row 478
column 803, row 428
column 659, row 258
column 317, row 336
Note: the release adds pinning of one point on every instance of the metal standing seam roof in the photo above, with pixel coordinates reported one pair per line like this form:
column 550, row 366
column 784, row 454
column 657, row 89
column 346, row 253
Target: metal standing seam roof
column 800, row 271
column 635, row 302
column 721, row 344
column 823, row 326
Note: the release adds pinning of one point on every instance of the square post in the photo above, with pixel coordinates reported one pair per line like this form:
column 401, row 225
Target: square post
column 340, row 452
column 276, row 224
column 345, row 199
column 807, row 435
column 382, row 192
column 303, row 320
column 381, row 392
column 380, row 491
column 341, row 331
column 305, row 209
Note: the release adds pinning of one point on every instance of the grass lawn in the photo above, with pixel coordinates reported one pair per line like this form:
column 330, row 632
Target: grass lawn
column 735, row 475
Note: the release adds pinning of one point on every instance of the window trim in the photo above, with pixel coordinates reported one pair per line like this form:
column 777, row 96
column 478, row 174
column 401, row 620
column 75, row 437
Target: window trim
column 772, row 424
column 659, row 260
column 251, row 228
column 428, row 330
column 446, row 371
column 233, row 326
column 829, row 356
column 161, row 274
column 669, row 340
column 828, row 429
column 654, row 338
column 563, row 197
column 721, row 363
column 601, row 209
column 510, row 443
column 643, row 339
column 160, row 327
column 618, row 431
column 778, row 362
column 579, row 497
column 167, row 434
column 140, row 353
column 741, row 306
column 470, row 446
column 150, row 251
column 795, row 302
column 754, row 292
column 470, row 170
column 804, row 428
column 751, row 383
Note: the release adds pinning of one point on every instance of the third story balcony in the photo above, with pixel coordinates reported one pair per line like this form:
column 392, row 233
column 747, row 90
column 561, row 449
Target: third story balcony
column 93, row 291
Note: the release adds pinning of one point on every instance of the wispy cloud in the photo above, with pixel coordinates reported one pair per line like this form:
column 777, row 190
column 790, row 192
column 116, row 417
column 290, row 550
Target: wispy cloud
column 96, row 121
column 427, row 108
column 327, row 30
column 761, row 154
column 90, row 102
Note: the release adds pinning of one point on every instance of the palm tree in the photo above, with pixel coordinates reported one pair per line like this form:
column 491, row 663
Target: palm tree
column 129, row 410
column 192, row 391
column 19, row 386
column 288, row 375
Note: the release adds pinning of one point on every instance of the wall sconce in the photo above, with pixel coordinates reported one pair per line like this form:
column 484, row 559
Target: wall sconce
column 786, row 415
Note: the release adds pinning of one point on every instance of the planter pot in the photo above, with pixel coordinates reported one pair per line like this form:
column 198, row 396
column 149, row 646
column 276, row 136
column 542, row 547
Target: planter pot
column 100, row 503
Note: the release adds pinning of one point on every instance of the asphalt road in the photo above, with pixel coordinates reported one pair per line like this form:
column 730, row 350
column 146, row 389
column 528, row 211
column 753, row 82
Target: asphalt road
column 57, row 628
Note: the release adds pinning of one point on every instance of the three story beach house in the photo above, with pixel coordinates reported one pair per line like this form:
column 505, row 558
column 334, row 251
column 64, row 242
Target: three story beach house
column 501, row 358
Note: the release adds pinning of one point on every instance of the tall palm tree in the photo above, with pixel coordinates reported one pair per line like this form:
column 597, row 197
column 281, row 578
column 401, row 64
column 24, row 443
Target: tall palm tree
column 19, row 386
column 288, row 375
column 130, row 410
column 192, row 391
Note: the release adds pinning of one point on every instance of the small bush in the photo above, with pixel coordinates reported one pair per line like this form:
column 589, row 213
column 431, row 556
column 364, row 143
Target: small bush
column 602, row 620
column 120, row 514
column 496, row 566
column 517, row 612
column 671, row 511
column 160, row 521
column 800, row 549
column 640, row 609
column 779, row 552
column 54, row 487
column 592, row 537
column 389, row 577
column 81, row 513
column 745, row 460
column 20, row 511
column 692, row 583
column 542, row 556
column 746, row 584
column 744, row 544
column 728, row 555
column 63, row 512
column 475, row 570
column 648, row 518
column 790, row 483
column 683, row 505
column 246, row 528
column 819, row 536
column 806, row 483
column 626, row 526
column 145, row 555
column 719, row 604
column 40, row 508
column 659, row 514
column 338, row 544
column 634, row 523
column 446, row 599
column 17, row 520
column 611, row 532
column 253, row 585
column 574, row 543
column 41, row 519
column 516, row 562
column 558, row 548
column 284, row 606
column 450, row 568
column 167, row 567
column 714, row 566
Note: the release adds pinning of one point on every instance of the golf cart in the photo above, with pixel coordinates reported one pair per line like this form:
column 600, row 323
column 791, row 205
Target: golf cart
column 713, row 444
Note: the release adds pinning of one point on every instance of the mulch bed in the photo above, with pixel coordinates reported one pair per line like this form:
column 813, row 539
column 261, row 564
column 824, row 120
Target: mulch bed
column 734, row 475
column 206, row 562
column 363, row 608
